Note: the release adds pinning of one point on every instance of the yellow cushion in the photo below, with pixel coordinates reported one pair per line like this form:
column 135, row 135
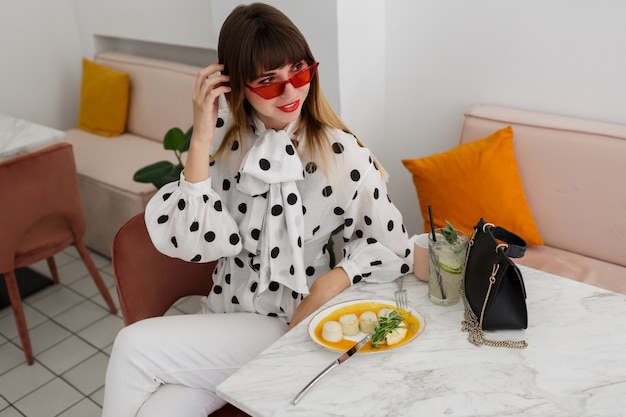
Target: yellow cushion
column 474, row 180
column 103, row 100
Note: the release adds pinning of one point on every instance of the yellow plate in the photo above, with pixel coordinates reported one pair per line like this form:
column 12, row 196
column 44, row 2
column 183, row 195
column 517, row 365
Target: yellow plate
column 413, row 319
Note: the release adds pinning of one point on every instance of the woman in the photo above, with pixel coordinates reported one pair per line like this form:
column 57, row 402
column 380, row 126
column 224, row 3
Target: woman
column 282, row 176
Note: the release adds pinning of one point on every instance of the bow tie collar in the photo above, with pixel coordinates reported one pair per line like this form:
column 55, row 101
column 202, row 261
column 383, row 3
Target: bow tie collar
column 274, row 226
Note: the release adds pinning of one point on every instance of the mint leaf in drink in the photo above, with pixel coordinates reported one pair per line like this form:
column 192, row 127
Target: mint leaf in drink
column 449, row 233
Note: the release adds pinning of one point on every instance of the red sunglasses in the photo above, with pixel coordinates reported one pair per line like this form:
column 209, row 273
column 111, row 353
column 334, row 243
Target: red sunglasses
column 273, row 90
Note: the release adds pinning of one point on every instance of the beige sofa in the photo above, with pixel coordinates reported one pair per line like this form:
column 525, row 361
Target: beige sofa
column 573, row 173
column 160, row 98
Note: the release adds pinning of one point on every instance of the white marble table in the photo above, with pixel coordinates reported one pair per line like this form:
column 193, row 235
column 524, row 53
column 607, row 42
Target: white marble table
column 18, row 136
column 575, row 364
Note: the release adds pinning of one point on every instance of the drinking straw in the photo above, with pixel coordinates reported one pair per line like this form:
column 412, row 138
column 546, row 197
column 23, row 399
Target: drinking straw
column 432, row 225
column 435, row 260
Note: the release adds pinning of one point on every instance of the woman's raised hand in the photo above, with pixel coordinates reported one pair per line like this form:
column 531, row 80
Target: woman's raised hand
column 210, row 83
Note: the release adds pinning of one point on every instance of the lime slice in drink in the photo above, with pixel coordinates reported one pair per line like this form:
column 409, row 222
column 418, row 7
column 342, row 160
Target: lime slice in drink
column 450, row 269
column 451, row 261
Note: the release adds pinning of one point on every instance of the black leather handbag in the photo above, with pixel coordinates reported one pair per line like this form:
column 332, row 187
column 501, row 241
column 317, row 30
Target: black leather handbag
column 493, row 287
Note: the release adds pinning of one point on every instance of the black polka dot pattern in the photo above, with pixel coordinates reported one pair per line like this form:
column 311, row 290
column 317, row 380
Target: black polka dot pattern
column 264, row 164
column 231, row 224
column 311, row 167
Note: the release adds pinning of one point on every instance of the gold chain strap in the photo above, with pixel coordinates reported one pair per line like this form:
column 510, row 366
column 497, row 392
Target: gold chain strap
column 474, row 326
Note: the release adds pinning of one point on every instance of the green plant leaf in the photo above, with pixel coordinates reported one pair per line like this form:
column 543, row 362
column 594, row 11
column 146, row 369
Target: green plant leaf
column 330, row 247
column 174, row 139
column 188, row 134
column 172, row 175
column 164, row 172
column 449, row 233
column 153, row 172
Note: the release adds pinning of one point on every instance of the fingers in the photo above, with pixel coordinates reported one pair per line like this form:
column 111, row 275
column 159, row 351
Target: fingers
column 210, row 80
column 209, row 85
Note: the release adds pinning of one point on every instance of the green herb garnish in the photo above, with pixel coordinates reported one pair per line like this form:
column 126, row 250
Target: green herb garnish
column 449, row 233
column 386, row 325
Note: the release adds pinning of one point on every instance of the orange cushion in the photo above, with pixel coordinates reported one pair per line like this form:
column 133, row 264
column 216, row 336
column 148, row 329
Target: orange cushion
column 474, row 180
column 104, row 99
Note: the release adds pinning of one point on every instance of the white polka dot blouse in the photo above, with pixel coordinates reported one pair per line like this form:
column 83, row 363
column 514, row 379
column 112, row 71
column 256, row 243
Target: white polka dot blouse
column 266, row 214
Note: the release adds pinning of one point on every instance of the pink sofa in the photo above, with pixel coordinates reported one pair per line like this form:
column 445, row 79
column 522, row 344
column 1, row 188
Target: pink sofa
column 573, row 174
column 160, row 98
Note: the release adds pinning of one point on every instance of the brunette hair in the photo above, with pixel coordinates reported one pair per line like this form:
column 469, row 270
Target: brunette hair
column 258, row 37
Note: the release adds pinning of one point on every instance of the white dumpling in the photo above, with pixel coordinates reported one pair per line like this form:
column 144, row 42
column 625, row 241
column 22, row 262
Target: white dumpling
column 349, row 324
column 384, row 312
column 368, row 321
column 396, row 336
column 331, row 331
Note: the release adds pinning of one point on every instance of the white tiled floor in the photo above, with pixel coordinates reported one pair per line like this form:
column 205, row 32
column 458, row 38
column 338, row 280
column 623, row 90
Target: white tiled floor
column 71, row 332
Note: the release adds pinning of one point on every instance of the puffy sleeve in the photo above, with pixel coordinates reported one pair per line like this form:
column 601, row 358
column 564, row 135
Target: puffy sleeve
column 189, row 221
column 376, row 243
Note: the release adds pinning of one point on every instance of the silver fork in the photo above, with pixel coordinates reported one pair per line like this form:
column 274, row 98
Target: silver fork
column 401, row 297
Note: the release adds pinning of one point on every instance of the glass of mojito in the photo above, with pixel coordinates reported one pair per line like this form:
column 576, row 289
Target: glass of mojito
column 446, row 266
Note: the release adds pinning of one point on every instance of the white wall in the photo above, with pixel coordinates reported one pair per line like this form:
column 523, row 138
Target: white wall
column 400, row 72
column 362, row 69
column 44, row 42
column 39, row 61
column 559, row 56
column 196, row 24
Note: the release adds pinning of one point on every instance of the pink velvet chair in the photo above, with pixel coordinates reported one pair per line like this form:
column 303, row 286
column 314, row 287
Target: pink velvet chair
column 149, row 283
column 41, row 215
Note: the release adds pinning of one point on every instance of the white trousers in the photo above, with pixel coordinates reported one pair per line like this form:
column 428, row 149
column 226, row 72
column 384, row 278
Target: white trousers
column 170, row 366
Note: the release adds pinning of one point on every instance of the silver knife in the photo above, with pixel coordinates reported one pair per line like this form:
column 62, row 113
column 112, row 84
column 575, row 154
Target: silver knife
column 354, row 349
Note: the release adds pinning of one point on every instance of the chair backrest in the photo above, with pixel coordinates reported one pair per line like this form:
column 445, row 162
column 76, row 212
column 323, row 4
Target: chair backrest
column 148, row 282
column 37, row 188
